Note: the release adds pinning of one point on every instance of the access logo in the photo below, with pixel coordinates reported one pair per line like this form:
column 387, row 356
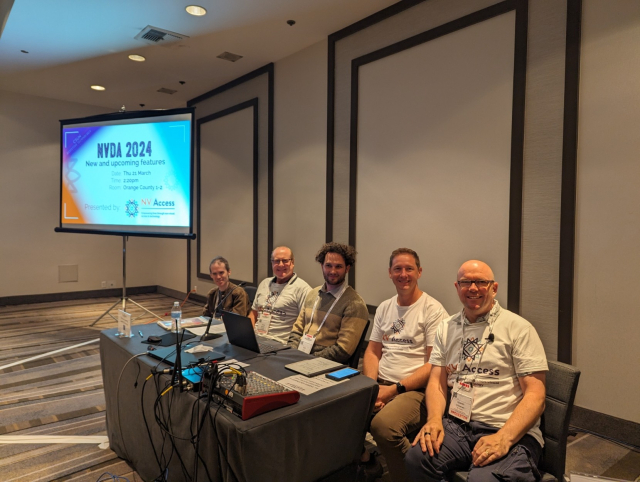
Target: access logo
column 131, row 208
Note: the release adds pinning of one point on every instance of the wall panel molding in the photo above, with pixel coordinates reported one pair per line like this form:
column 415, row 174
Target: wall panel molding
column 258, row 84
column 534, row 265
column 517, row 133
column 253, row 105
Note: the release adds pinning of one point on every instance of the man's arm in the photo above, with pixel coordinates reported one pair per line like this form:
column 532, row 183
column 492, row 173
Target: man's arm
column 253, row 315
column 297, row 330
column 206, row 311
column 240, row 300
column 354, row 319
column 431, row 435
column 371, row 359
column 527, row 412
column 416, row 380
column 419, row 378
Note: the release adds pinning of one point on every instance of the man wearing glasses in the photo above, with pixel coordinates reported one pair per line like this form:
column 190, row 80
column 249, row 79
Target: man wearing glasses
column 279, row 299
column 493, row 362
column 334, row 315
column 226, row 296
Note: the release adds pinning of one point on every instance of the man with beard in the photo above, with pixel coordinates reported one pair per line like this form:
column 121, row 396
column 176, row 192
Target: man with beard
column 334, row 315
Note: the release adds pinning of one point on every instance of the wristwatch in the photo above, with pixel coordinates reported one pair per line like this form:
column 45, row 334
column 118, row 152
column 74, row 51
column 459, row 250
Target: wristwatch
column 401, row 388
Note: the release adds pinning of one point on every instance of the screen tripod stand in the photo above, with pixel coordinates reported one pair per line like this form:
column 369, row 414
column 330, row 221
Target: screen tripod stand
column 124, row 298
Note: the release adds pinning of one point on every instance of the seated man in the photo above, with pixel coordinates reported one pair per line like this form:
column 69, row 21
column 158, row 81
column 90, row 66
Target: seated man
column 494, row 363
column 226, row 296
column 279, row 300
column 397, row 356
column 334, row 315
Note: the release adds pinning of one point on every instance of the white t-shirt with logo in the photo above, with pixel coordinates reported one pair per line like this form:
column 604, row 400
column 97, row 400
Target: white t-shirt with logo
column 492, row 366
column 284, row 301
column 405, row 332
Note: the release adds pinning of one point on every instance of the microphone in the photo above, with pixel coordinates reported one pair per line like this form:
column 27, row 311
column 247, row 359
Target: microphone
column 206, row 336
column 490, row 338
column 217, row 310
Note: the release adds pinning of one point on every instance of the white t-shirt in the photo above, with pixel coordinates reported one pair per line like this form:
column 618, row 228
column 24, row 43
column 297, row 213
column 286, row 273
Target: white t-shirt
column 492, row 366
column 405, row 332
column 284, row 302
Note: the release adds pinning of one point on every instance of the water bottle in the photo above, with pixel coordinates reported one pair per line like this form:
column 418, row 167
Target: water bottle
column 176, row 315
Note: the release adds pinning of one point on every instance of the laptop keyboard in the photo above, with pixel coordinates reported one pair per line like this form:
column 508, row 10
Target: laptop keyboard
column 267, row 347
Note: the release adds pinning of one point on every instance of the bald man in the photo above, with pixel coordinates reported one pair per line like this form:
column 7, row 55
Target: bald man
column 493, row 363
column 279, row 299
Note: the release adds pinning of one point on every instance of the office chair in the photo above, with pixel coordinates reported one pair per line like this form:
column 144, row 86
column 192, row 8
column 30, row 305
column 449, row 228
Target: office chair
column 562, row 384
column 355, row 358
column 251, row 291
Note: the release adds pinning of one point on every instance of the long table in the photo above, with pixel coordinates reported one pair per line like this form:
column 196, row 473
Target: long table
column 307, row 441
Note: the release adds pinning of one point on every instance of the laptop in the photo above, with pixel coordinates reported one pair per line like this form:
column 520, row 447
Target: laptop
column 240, row 333
column 168, row 355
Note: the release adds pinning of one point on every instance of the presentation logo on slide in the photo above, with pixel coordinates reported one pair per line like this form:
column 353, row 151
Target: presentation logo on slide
column 71, row 175
column 131, row 208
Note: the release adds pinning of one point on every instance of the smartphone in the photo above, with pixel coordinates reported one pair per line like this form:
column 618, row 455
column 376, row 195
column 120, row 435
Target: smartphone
column 342, row 374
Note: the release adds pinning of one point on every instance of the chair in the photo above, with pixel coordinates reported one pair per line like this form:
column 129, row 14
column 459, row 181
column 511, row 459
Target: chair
column 562, row 384
column 251, row 291
column 355, row 358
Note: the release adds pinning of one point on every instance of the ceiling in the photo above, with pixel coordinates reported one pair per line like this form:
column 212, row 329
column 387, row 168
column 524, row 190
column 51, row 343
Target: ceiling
column 73, row 44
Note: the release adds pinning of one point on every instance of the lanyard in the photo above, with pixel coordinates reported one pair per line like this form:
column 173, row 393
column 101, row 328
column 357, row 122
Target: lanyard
column 269, row 305
column 315, row 304
column 492, row 319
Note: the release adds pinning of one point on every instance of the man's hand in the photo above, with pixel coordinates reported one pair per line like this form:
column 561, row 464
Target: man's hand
column 489, row 449
column 494, row 447
column 385, row 394
column 430, row 437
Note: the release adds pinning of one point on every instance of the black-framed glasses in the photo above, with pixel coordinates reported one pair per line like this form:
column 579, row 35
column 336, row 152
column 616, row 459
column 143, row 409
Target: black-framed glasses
column 281, row 261
column 480, row 283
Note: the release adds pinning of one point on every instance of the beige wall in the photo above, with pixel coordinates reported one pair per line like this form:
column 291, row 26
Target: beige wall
column 608, row 216
column 426, row 115
column 606, row 310
column 300, row 157
column 30, row 250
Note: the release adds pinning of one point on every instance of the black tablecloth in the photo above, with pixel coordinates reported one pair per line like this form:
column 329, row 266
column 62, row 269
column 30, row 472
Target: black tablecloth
column 303, row 442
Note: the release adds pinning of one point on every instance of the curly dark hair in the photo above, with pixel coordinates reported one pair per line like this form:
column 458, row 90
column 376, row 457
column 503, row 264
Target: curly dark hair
column 347, row 252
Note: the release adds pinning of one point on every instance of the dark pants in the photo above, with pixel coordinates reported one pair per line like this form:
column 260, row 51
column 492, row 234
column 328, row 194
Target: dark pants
column 520, row 464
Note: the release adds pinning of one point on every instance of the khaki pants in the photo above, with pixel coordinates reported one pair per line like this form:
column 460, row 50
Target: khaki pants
column 402, row 416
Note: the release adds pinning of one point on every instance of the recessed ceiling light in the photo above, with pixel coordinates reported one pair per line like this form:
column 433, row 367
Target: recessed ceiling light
column 137, row 58
column 196, row 10
column 97, row 87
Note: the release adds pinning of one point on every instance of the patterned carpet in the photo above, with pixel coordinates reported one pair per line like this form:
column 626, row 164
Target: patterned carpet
column 61, row 393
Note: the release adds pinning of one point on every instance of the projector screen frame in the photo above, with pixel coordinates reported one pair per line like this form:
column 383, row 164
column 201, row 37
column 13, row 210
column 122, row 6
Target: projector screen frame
column 124, row 116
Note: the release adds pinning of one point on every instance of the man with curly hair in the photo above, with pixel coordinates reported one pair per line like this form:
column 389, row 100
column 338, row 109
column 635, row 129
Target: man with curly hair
column 334, row 315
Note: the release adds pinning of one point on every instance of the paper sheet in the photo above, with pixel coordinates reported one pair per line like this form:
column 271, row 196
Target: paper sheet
column 306, row 385
column 199, row 330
